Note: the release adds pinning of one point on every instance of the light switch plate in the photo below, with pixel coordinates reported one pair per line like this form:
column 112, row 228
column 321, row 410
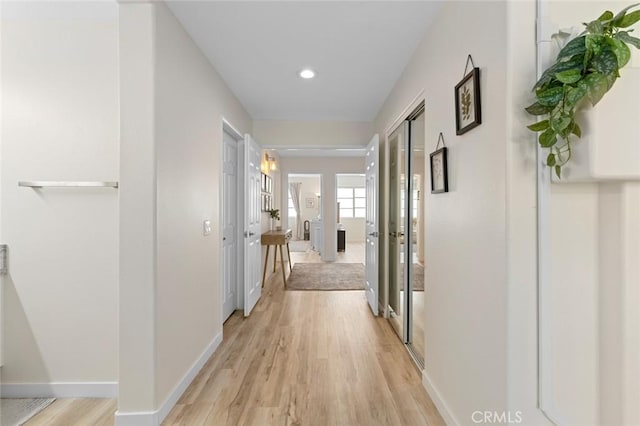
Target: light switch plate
column 206, row 227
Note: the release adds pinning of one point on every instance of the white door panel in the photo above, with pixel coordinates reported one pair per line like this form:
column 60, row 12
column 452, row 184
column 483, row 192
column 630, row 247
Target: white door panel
column 252, row 247
column 230, row 225
column 371, row 224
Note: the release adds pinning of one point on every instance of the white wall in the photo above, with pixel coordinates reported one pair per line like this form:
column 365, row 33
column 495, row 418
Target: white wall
column 328, row 167
column 60, row 122
column 188, row 101
column 465, row 313
column 318, row 134
column 189, row 95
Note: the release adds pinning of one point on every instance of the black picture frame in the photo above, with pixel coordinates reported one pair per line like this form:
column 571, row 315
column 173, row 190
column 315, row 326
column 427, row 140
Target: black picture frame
column 468, row 108
column 439, row 178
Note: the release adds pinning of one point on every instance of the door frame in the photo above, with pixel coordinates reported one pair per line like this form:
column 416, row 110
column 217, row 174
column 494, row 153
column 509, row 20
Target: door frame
column 239, row 138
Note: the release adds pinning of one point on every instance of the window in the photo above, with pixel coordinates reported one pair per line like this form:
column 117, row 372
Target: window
column 352, row 201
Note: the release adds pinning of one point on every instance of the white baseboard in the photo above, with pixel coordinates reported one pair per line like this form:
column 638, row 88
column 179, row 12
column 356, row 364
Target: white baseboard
column 60, row 390
column 191, row 374
column 146, row 418
column 437, row 399
column 154, row 418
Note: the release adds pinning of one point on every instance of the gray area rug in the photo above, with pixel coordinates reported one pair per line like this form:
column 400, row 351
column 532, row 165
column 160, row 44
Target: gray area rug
column 418, row 278
column 17, row 411
column 326, row 276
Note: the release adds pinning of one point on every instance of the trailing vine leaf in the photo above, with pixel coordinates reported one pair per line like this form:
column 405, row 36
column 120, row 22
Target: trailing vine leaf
column 569, row 76
column 551, row 160
column 537, row 109
column 548, row 138
column 585, row 69
column 629, row 19
column 606, row 16
column 624, row 36
column 621, row 50
column 540, row 126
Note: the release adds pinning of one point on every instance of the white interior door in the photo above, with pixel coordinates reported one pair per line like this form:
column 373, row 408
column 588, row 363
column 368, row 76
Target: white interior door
column 371, row 223
column 229, row 225
column 252, row 248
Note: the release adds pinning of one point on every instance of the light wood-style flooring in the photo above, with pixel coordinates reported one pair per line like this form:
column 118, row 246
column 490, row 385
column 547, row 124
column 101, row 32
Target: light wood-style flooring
column 307, row 358
column 80, row 412
column 301, row 358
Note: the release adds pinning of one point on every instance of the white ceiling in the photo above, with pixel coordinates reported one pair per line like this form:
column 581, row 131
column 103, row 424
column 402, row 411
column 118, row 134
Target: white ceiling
column 359, row 50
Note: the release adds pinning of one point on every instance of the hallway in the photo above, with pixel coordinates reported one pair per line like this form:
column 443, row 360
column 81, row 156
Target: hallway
column 302, row 357
column 307, row 358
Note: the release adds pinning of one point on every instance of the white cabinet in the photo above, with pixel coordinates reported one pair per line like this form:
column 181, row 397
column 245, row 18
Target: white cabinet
column 317, row 232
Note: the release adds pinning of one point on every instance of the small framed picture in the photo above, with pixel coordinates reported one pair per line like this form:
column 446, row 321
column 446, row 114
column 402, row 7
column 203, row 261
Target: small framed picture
column 439, row 181
column 263, row 183
column 269, row 188
column 468, row 112
column 310, row 203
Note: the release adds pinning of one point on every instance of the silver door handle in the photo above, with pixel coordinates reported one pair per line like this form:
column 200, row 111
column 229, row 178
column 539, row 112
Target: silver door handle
column 224, row 238
column 251, row 234
column 373, row 234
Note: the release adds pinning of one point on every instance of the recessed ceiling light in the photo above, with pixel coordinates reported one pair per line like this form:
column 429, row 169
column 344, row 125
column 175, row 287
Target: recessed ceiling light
column 307, row 73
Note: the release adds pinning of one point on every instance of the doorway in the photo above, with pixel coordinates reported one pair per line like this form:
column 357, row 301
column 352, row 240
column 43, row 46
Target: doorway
column 351, row 199
column 232, row 248
column 406, row 231
column 304, row 212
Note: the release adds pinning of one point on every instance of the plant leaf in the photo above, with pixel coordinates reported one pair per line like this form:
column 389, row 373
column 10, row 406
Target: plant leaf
column 621, row 50
column 629, row 19
column 576, row 62
column 606, row 62
column 620, row 16
column 594, row 43
column 548, row 138
column 575, row 95
column 560, row 123
column 558, row 170
column 624, row 36
column 537, row 109
column 595, row 27
column 570, row 76
column 550, row 97
column 539, row 126
column 576, row 130
column 551, row 160
column 596, row 86
column 606, row 16
column 574, row 47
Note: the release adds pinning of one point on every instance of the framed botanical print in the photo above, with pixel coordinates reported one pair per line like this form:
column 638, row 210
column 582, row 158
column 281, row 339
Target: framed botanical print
column 439, row 181
column 468, row 111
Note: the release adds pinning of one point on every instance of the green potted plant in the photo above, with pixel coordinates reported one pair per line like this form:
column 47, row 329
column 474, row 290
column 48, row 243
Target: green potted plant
column 586, row 68
column 274, row 214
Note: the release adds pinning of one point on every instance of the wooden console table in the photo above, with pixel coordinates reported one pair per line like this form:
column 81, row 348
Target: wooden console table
column 276, row 238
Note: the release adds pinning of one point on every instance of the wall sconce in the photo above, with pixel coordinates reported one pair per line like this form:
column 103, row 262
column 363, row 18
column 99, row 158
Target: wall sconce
column 271, row 162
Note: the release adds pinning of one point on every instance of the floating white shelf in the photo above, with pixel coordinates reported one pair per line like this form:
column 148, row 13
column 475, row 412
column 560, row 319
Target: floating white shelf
column 67, row 184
